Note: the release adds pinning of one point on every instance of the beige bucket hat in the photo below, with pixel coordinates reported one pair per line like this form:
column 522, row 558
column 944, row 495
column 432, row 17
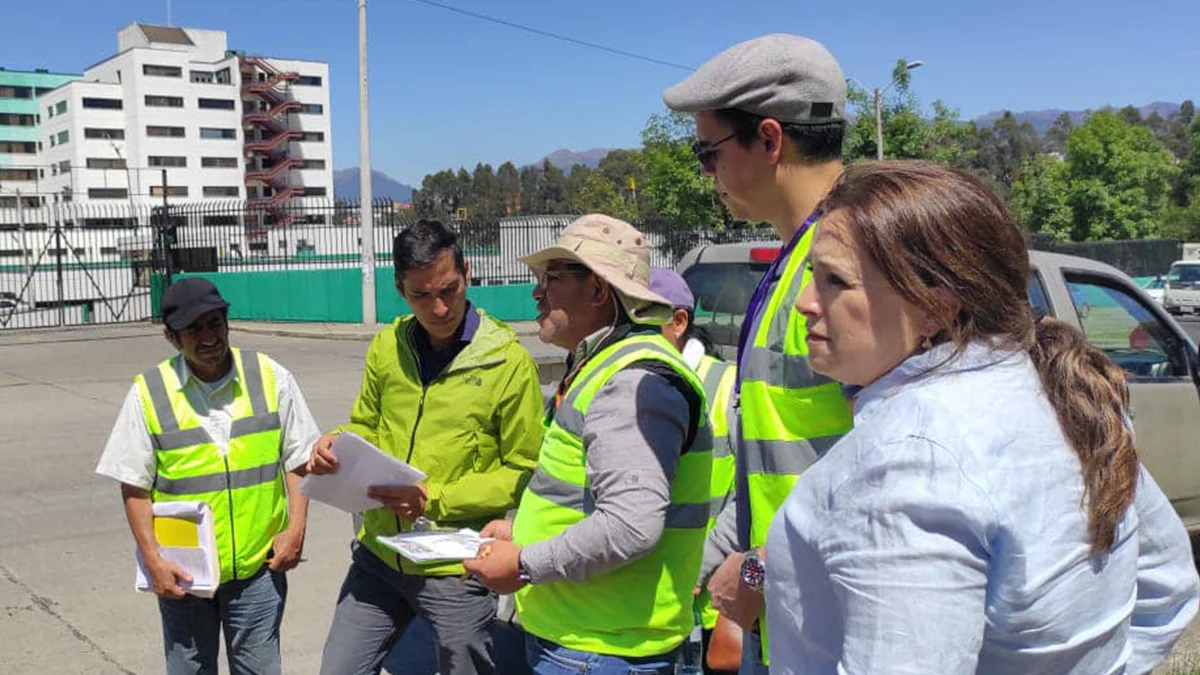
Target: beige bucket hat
column 616, row 252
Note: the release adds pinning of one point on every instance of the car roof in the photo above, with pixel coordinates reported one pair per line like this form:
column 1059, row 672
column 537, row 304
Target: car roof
column 1185, row 262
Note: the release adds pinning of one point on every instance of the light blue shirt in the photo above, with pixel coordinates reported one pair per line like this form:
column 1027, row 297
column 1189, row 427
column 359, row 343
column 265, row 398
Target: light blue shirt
column 947, row 533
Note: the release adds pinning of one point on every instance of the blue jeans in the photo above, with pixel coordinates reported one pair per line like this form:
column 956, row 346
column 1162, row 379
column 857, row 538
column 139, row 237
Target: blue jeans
column 548, row 658
column 752, row 663
column 248, row 611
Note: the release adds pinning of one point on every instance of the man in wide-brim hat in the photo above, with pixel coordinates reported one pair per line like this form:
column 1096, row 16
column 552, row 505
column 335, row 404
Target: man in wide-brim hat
column 608, row 537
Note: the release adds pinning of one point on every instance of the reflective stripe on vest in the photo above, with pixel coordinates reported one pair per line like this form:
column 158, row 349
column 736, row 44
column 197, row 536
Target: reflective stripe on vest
column 643, row 608
column 718, row 377
column 788, row 413
column 243, row 486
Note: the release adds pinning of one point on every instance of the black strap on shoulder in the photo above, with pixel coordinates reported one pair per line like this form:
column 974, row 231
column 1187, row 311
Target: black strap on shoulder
column 695, row 405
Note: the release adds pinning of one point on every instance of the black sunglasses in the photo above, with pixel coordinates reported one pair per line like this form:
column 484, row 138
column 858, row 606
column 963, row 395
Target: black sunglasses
column 706, row 153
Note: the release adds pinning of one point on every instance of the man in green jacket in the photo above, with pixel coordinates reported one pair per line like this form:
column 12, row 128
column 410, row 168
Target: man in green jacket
column 452, row 392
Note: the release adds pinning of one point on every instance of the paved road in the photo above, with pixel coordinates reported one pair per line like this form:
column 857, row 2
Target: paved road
column 66, row 572
column 1191, row 325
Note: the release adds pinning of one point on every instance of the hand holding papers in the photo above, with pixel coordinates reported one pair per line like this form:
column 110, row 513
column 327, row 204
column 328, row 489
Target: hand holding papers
column 185, row 535
column 435, row 545
column 359, row 465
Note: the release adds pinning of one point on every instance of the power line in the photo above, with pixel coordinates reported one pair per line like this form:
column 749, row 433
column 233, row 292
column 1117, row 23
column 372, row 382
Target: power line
column 556, row 36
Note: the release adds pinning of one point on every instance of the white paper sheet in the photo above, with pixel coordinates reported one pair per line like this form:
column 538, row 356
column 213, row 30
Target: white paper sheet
column 360, row 465
column 436, row 545
column 202, row 563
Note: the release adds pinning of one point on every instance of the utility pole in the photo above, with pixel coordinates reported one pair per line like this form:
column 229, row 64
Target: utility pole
column 878, row 123
column 25, row 252
column 367, row 211
column 164, row 224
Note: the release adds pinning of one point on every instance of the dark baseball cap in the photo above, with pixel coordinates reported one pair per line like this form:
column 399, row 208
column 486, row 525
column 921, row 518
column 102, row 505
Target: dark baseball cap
column 187, row 299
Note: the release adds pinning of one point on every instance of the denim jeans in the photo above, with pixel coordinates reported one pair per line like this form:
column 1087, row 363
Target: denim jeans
column 548, row 658
column 248, row 611
column 377, row 603
column 752, row 660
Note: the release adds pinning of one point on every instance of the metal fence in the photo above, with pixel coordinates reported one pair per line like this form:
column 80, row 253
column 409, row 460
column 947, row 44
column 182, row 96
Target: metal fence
column 1135, row 257
column 94, row 262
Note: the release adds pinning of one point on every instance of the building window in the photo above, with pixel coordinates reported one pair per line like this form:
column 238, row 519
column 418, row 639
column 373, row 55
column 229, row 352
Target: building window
column 169, row 162
column 220, row 220
column 314, row 192
column 164, row 101
column 64, row 166
column 105, row 163
column 172, row 190
column 308, row 81
column 223, row 77
column 314, row 136
column 164, row 132
column 161, row 71
column 221, row 191
column 18, row 174
column 17, row 120
column 313, row 164
column 312, row 109
column 113, row 134
column 16, row 92
column 201, row 76
column 103, row 103
column 60, row 108
column 108, row 224
column 49, row 112
column 64, row 136
column 107, row 193
column 215, row 103
column 219, row 162
column 18, row 147
column 215, row 133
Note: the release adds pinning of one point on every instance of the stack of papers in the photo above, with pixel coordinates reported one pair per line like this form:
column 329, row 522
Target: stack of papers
column 435, row 546
column 185, row 535
column 360, row 465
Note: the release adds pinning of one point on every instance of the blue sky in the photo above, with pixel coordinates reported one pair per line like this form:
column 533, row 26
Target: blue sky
column 449, row 90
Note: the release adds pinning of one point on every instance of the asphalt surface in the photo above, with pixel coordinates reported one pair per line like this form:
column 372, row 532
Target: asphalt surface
column 67, row 603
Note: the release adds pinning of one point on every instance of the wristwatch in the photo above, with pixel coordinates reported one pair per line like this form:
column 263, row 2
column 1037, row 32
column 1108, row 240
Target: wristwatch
column 522, row 573
column 754, row 574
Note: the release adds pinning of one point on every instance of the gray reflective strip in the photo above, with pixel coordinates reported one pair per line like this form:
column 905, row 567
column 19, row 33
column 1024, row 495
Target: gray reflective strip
column 716, row 505
column 712, row 379
column 570, row 419
column 253, row 425
column 688, row 516
column 578, row 498
column 721, row 447
column 214, row 482
column 160, row 400
column 791, row 371
column 784, row 458
column 253, row 381
column 703, row 442
column 174, row 440
column 561, row 492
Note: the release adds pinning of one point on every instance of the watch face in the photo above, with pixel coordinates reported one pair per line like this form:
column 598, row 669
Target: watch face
column 753, row 573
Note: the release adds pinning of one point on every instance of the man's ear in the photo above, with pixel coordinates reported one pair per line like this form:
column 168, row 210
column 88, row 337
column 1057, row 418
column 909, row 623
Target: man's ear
column 601, row 292
column 170, row 336
column 467, row 271
column 770, row 132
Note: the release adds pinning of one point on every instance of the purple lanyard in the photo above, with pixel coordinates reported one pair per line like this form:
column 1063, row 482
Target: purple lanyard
column 760, row 293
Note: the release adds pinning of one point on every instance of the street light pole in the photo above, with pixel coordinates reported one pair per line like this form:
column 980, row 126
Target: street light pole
column 367, row 212
column 908, row 65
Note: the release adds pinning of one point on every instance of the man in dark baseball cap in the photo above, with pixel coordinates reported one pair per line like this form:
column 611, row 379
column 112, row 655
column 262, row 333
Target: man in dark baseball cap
column 228, row 428
column 770, row 120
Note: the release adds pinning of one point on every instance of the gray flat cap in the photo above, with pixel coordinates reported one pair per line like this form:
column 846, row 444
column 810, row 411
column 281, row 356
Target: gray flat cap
column 791, row 78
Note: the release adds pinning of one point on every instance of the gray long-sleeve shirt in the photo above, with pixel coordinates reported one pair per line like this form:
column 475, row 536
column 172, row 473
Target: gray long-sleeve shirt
column 634, row 433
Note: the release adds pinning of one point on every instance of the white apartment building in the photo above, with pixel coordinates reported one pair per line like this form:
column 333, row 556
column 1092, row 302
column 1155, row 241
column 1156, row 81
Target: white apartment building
column 221, row 124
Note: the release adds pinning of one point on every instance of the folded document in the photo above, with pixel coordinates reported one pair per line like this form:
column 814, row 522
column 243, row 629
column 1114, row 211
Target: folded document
column 185, row 535
column 435, row 545
column 360, row 465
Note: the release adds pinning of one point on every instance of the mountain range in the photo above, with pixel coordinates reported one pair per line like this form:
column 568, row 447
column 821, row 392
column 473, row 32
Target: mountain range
column 345, row 181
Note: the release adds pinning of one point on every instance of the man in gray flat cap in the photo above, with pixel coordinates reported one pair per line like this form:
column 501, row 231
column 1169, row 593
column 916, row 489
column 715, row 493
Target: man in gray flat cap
column 770, row 118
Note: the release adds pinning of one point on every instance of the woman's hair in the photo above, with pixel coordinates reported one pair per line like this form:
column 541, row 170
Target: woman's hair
column 946, row 243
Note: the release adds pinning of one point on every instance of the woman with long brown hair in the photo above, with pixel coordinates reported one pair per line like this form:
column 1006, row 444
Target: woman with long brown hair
column 988, row 513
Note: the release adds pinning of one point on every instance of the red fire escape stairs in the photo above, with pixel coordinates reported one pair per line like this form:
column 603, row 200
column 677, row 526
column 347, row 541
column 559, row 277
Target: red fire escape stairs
column 277, row 135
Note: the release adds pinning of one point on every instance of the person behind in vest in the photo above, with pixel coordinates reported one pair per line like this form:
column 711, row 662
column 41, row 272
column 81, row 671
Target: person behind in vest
column 770, row 118
column 606, row 544
column 451, row 391
column 718, row 378
column 231, row 428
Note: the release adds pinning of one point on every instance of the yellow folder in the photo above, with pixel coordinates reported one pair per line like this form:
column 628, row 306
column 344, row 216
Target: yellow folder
column 176, row 532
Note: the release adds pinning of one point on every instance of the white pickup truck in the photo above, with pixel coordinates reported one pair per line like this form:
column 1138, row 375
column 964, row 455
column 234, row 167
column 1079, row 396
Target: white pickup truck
column 1114, row 314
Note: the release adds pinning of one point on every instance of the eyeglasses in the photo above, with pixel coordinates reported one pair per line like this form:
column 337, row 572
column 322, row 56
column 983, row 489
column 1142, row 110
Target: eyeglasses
column 546, row 277
column 706, row 153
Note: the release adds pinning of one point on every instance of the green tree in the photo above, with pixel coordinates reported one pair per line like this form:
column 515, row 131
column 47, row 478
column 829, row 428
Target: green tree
column 598, row 195
column 531, row 186
column 673, row 188
column 1056, row 136
column 998, row 151
column 508, row 187
column 1039, row 199
column 552, row 190
column 1119, row 179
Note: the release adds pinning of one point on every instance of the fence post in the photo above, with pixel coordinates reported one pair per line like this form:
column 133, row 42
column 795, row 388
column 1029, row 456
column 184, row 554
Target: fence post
column 58, row 254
